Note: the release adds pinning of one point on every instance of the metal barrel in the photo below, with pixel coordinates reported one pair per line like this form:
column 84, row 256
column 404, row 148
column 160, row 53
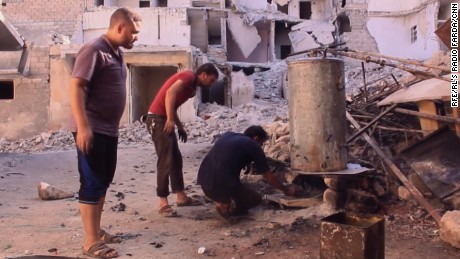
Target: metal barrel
column 317, row 115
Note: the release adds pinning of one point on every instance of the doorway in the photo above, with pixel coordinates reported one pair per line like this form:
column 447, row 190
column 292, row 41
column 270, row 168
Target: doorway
column 146, row 81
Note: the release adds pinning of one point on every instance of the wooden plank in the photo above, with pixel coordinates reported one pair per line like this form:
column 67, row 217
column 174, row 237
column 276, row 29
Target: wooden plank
column 428, row 125
column 290, row 201
column 456, row 114
column 371, row 123
column 417, row 195
column 429, row 116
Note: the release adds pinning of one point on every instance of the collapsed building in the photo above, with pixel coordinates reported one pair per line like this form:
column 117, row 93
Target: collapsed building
column 41, row 38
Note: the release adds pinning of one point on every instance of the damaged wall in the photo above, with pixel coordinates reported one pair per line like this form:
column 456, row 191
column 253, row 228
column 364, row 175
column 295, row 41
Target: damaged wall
column 28, row 112
column 37, row 18
column 161, row 26
column 404, row 29
column 359, row 38
column 242, row 89
column 249, row 43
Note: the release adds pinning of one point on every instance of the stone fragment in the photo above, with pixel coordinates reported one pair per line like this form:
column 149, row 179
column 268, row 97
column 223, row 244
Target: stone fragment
column 48, row 192
column 450, row 228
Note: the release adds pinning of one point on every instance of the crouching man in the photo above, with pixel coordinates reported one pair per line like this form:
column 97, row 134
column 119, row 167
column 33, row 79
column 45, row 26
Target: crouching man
column 219, row 173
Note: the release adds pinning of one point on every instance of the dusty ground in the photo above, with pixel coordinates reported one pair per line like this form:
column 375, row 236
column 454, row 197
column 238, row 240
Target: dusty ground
column 30, row 226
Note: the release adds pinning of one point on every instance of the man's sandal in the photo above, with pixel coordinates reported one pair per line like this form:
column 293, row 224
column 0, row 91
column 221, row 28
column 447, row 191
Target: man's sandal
column 189, row 202
column 100, row 250
column 108, row 238
column 168, row 212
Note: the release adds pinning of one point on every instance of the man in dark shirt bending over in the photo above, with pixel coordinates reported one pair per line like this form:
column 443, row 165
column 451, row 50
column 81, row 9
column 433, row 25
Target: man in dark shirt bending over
column 219, row 173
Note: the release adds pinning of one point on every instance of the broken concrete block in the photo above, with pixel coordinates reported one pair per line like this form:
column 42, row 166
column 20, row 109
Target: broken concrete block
column 247, row 37
column 334, row 199
column 48, row 192
column 322, row 37
column 450, row 228
column 283, row 130
column 302, row 40
column 338, row 184
column 405, row 195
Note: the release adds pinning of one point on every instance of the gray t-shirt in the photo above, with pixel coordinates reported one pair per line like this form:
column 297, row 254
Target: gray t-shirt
column 105, row 72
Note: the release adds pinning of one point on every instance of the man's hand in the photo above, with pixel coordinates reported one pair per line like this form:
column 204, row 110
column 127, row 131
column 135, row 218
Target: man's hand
column 169, row 127
column 182, row 135
column 84, row 139
column 289, row 190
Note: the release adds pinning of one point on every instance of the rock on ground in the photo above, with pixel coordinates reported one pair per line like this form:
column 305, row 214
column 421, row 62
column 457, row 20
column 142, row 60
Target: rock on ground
column 450, row 228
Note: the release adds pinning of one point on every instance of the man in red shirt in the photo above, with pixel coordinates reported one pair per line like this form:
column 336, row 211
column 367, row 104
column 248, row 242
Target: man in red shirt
column 161, row 122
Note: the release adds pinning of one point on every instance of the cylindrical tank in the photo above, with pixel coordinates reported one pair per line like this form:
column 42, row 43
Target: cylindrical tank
column 317, row 119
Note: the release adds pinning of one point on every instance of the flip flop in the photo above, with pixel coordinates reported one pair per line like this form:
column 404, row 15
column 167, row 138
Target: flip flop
column 189, row 202
column 108, row 238
column 168, row 212
column 99, row 250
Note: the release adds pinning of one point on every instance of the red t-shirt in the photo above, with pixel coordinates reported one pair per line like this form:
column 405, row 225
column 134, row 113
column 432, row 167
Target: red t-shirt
column 158, row 105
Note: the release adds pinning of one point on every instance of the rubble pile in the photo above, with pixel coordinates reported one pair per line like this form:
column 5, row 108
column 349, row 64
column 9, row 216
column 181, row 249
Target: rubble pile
column 268, row 84
column 374, row 74
column 60, row 140
column 359, row 194
column 213, row 120
column 277, row 146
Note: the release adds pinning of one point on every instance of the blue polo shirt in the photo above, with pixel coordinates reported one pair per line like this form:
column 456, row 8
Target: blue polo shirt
column 105, row 71
column 221, row 168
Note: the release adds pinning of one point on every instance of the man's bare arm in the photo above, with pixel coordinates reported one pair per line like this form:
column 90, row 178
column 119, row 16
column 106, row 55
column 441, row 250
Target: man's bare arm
column 170, row 100
column 77, row 105
column 275, row 183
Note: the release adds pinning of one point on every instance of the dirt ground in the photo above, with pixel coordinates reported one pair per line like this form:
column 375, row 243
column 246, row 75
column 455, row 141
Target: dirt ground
column 30, row 226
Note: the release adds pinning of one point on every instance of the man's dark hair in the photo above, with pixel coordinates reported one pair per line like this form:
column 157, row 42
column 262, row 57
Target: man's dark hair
column 256, row 131
column 124, row 14
column 208, row 69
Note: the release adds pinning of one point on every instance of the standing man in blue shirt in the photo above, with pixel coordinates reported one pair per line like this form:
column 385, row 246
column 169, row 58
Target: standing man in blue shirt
column 97, row 101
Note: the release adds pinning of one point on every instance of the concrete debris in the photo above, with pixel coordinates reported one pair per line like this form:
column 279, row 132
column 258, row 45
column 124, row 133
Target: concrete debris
column 302, row 40
column 450, row 228
column 311, row 34
column 405, row 195
column 201, row 250
column 48, row 141
column 48, row 192
column 269, row 84
column 246, row 36
column 213, row 120
column 277, row 147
